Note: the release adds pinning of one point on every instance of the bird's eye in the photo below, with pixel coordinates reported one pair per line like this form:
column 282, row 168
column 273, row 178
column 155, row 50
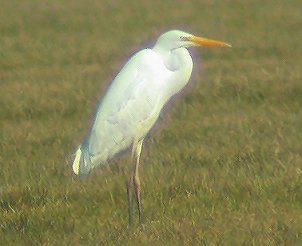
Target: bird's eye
column 183, row 38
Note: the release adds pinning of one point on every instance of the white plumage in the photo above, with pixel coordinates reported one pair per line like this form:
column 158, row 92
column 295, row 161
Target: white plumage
column 134, row 100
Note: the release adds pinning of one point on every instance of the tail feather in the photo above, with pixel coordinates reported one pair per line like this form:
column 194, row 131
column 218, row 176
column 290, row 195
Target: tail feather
column 77, row 161
column 84, row 162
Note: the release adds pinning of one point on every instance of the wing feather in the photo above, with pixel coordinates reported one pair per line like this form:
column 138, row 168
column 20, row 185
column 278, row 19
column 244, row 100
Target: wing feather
column 129, row 108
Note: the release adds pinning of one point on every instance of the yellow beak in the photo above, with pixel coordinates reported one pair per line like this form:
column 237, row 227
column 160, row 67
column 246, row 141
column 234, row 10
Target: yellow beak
column 208, row 42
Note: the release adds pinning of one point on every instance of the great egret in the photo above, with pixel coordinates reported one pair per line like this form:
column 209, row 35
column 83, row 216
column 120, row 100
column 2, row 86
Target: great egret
column 133, row 103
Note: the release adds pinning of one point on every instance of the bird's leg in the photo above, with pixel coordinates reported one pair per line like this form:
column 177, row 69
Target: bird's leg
column 130, row 196
column 136, row 179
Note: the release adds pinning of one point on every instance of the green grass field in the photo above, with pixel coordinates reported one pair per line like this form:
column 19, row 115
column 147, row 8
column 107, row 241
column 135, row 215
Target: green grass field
column 224, row 166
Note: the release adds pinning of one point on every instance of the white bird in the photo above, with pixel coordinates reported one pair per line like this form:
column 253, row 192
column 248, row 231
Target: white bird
column 133, row 102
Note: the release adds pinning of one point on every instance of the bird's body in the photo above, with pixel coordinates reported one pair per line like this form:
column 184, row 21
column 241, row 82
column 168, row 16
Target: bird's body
column 134, row 100
column 133, row 103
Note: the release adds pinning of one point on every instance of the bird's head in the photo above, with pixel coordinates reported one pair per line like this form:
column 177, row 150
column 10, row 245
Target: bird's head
column 178, row 39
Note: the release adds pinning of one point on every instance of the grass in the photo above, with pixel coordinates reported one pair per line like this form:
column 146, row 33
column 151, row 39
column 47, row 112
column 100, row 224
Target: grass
column 222, row 168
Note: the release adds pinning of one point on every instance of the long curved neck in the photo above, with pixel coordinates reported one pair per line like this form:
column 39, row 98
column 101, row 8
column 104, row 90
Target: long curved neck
column 180, row 64
column 176, row 59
